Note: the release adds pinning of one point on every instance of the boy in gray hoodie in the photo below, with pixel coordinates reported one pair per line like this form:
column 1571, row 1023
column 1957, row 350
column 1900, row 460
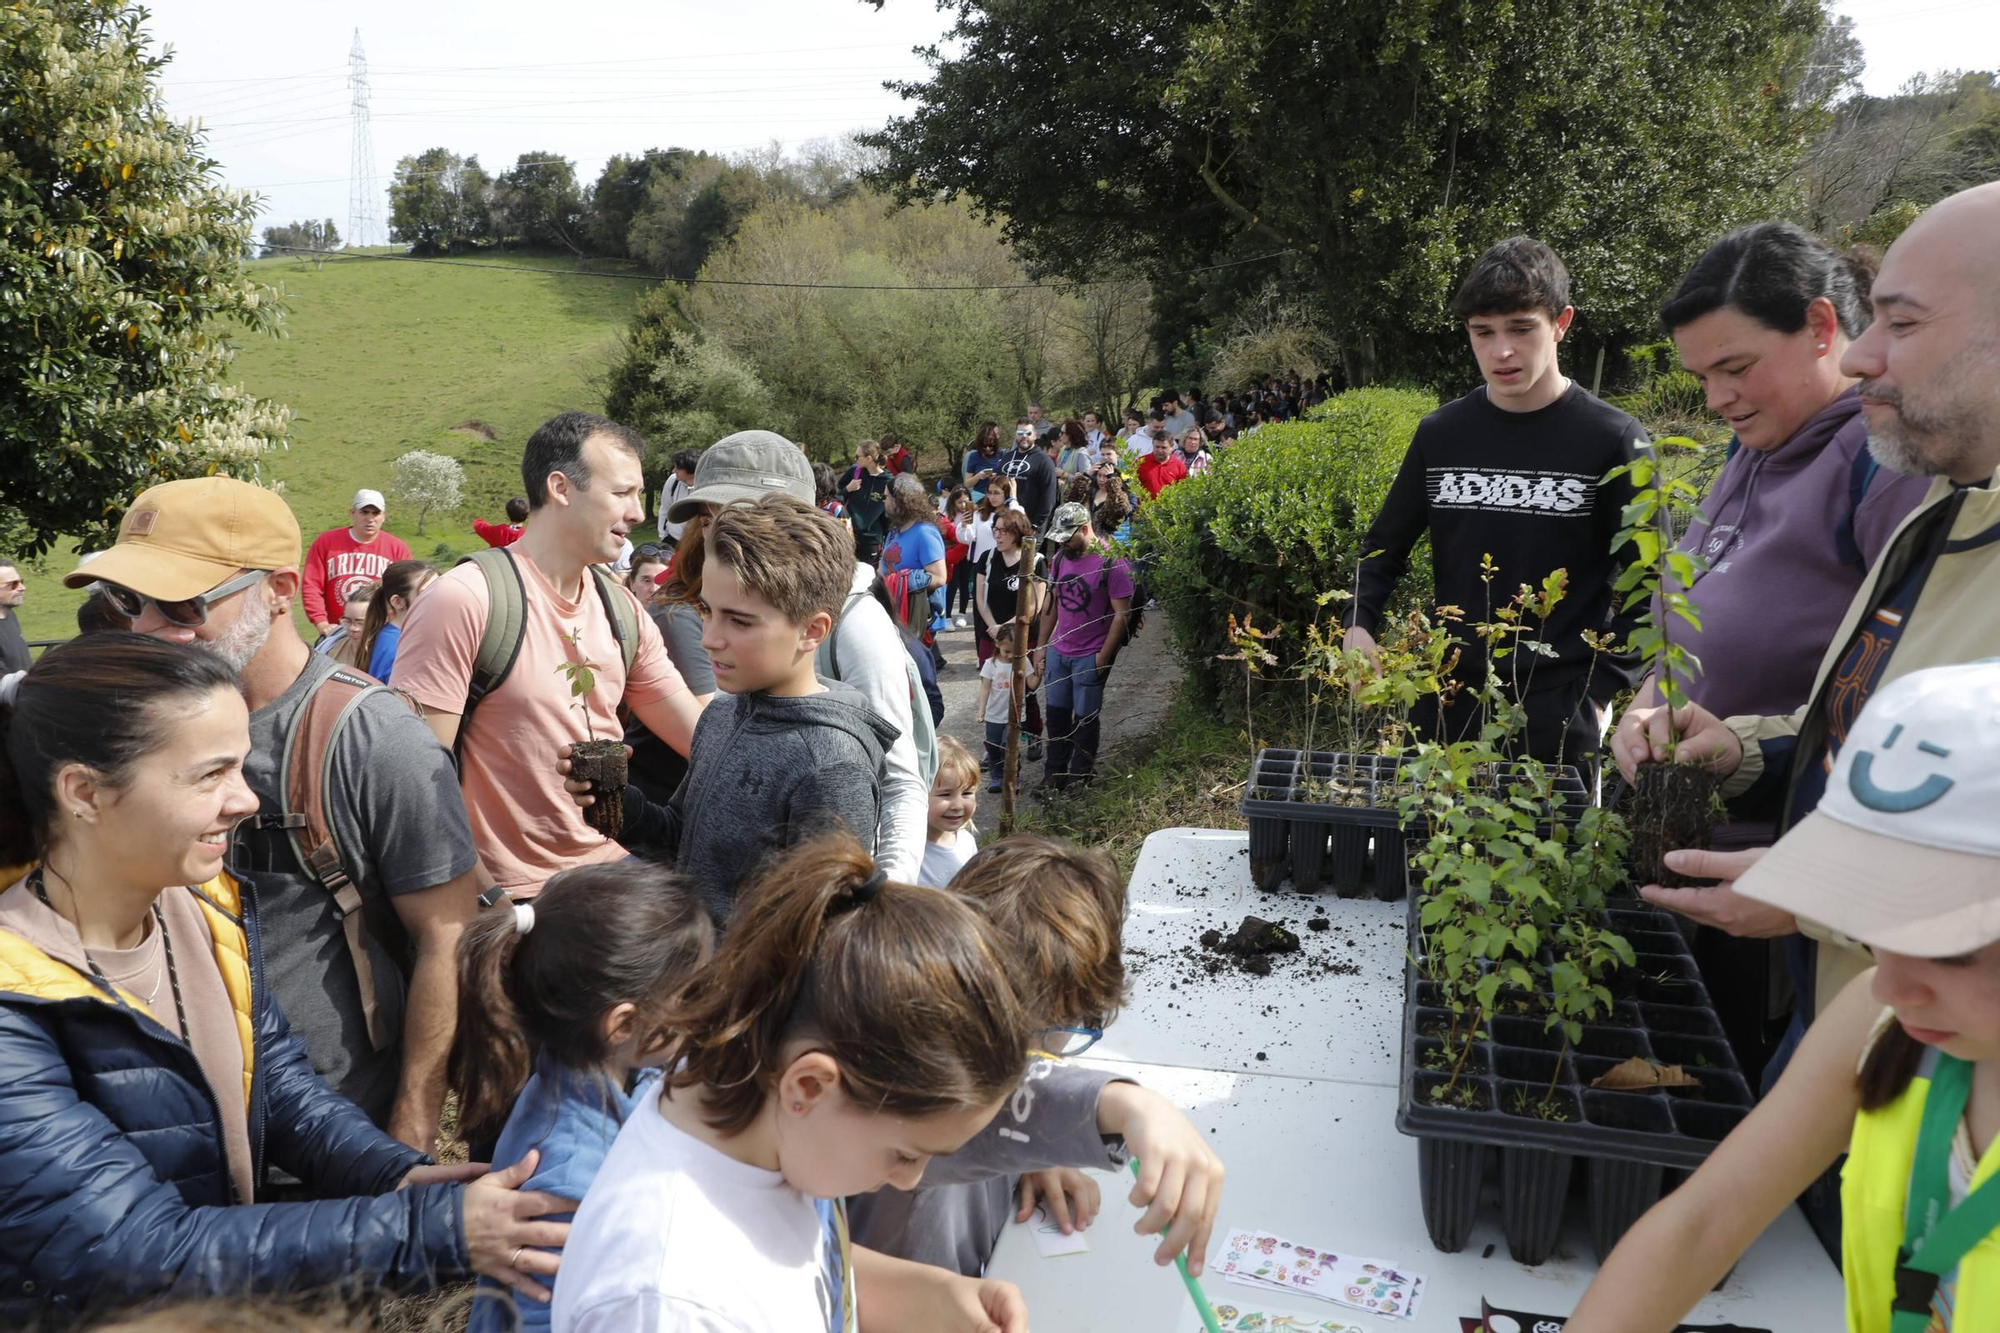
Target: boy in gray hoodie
column 781, row 754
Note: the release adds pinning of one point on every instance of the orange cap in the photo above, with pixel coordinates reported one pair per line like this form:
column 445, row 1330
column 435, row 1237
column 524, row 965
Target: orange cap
column 181, row 538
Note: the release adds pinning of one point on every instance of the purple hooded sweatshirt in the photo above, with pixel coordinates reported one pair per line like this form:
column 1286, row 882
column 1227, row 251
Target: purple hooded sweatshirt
column 1776, row 586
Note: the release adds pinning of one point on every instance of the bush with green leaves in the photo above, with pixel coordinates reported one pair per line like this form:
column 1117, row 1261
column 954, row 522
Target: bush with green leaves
column 123, row 258
column 428, row 481
column 1275, row 524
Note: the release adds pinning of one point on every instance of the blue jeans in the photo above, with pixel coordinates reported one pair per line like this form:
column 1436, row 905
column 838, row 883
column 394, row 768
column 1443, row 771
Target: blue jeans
column 1073, row 694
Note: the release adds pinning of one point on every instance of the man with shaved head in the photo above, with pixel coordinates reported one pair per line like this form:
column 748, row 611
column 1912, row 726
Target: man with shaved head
column 1929, row 367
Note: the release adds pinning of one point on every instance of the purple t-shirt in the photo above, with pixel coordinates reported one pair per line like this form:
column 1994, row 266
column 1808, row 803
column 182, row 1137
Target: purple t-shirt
column 1084, row 586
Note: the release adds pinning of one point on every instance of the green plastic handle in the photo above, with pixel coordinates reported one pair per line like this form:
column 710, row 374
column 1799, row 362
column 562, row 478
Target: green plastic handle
column 1194, row 1290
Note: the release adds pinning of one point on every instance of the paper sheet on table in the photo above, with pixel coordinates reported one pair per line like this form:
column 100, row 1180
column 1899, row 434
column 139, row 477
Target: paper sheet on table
column 1232, row 1316
column 1049, row 1239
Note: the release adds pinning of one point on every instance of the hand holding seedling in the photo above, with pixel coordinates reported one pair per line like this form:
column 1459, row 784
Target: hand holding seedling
column 1720, row 905
column 1647, row 735
column 581, row 790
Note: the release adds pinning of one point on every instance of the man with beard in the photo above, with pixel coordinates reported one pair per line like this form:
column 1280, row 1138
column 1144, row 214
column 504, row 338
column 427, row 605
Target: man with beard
column 215, row 562
column 1929, row 368
column 1082, row 631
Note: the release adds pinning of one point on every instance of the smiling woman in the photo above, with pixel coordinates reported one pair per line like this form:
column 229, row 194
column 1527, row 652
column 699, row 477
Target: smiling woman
column 144, row 1070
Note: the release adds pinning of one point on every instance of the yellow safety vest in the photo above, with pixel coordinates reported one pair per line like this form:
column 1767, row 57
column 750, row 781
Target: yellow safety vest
column 1874, row 1190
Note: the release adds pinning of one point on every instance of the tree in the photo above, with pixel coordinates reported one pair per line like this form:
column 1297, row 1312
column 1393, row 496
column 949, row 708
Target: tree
column 1110, row 323
column 1379, row 145
column 844, row 356
column 537, row 202
column 123, row 257
column 428, row 481
column 309, row 240
column 440, row 202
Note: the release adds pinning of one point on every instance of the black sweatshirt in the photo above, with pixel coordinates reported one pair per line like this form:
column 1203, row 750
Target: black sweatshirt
column 1526, row 488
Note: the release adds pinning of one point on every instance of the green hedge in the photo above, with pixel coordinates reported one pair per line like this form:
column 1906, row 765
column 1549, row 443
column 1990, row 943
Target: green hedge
column 1277, row 521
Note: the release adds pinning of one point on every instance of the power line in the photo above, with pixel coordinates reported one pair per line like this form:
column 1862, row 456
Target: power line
column 339, row 258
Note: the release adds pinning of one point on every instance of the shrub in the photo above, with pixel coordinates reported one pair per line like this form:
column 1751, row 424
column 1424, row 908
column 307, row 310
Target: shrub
column 428, row 481
column 1277, row 522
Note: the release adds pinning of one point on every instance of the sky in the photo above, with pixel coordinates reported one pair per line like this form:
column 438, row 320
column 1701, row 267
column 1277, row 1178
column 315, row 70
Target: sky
column 500, row 78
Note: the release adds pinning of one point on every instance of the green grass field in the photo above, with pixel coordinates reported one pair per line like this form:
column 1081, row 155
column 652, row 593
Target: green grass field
column 380, row 358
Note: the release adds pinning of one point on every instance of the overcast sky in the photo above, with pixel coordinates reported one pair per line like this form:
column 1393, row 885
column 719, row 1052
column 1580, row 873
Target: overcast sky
column 590, row 78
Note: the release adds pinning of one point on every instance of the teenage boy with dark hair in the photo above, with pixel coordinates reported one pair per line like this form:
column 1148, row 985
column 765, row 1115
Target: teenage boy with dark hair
column 782, row 754
column 1514, row 470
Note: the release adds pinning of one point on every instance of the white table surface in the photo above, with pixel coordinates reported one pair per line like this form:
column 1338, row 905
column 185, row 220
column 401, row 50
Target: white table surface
column 1309, row 1138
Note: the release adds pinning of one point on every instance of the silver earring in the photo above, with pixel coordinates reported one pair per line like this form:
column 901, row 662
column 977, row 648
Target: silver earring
column 1821, row 346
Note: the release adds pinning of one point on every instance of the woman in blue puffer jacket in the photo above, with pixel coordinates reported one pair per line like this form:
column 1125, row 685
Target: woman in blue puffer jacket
column 146, row 1075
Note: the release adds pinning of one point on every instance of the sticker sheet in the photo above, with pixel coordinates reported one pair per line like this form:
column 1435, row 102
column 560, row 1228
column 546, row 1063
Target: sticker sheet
column 1237, row 1317
column 1272, row 1263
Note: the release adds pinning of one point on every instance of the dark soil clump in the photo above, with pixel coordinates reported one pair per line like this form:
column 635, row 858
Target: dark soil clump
column 1318, row 923
column 1251, row 946
column 602, row 763
column 1672, row 808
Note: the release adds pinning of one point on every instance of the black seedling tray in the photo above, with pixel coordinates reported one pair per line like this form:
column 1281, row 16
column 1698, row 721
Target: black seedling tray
column 1313, row 816
column 1628, row 1139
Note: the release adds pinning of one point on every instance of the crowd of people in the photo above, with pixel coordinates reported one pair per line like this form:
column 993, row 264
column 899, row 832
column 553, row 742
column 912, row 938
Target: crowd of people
column 274, row 901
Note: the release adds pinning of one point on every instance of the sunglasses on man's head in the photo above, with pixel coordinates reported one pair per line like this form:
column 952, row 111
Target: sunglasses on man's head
column 189, row 612
column 649, row 551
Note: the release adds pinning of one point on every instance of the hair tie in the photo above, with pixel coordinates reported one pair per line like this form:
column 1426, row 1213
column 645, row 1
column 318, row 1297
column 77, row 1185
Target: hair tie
column 10, row 686
column 524, row 918
column 869, row 887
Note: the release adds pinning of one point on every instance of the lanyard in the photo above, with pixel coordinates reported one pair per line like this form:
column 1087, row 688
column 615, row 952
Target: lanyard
column 1934, row 1239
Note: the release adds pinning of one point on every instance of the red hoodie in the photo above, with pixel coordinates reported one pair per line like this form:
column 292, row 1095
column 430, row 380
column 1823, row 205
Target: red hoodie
column 337, row 565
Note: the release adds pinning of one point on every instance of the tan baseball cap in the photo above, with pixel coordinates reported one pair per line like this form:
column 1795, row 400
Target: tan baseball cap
column 1903, row 851
column 182, row 538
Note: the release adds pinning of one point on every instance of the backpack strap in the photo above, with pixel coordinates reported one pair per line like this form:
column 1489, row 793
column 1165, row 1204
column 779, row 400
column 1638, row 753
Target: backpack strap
column 500, row 639
column 624, row 616
column 1860, row 475
column 829, row 648
column 307, row 766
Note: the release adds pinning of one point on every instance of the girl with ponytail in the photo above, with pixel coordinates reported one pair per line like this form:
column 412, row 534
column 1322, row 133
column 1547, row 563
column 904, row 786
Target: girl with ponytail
column 559, row 1037
column 848, row 1029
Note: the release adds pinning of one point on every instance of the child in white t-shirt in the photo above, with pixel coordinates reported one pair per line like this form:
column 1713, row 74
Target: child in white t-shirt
column 996, row 689
column 954, row 798
column 718, row 1208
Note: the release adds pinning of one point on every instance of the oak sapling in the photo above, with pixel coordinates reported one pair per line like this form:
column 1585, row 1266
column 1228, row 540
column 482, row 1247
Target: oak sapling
column 600, row 762
column 1673, row 804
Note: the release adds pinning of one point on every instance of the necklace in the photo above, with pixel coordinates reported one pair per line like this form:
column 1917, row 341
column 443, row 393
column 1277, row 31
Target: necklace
column 166, row 946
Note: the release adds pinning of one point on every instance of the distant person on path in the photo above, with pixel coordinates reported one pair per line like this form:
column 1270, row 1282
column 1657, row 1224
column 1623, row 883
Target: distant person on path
column 13, row 644
column 341, row 559
column 586, row 492
column 1178, row 420
column 1033, row 473
column 1162, row 467
column 896, row 455
column 344, row 644
column 1194, row 455
column 1515, row 470
column 1041, row 425
column 504, row 534
column 402, row 583
column 679, row 482
column 1078, row 452
column 1082, row 632
column 915, row 547
column 866, row 495
column 982, row 460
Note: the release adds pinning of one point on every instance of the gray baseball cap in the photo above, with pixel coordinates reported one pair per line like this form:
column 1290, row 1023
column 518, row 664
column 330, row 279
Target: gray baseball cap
column 1067, row 521
column 744, row 466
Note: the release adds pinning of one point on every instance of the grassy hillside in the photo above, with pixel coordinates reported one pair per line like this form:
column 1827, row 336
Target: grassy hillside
column 381, row 358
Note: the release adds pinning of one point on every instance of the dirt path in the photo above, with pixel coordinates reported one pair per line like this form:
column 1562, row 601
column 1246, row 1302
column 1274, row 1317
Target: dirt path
column 1135, row 700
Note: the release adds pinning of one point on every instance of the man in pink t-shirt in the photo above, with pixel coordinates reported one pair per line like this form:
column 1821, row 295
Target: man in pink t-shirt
column 343, row 560
column 585, row 492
